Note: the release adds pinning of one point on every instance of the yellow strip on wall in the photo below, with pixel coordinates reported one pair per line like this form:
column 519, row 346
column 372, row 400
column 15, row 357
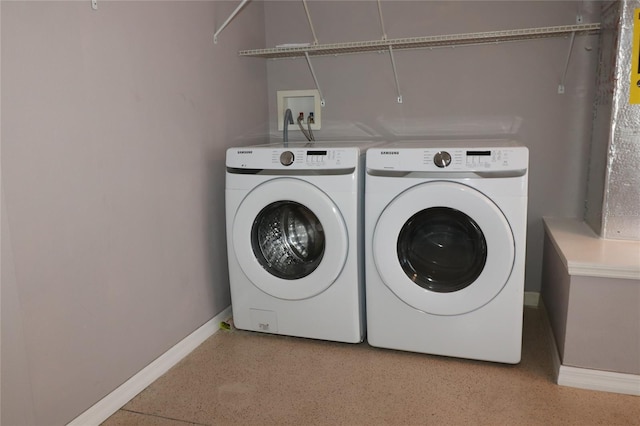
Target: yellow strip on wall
column 634, row 91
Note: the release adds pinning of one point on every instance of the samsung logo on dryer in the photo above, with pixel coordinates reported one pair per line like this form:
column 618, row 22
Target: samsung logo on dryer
column 245, row 152
column 389, row 152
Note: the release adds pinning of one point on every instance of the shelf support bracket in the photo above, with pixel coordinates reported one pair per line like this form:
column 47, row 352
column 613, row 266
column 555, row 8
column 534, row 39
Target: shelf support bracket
column 566, row 65
column 393, row 61
column 94, row 4
column 315, row 79
column 395, row 74
column 313, row 31
column 229, row 19
column 384, row 33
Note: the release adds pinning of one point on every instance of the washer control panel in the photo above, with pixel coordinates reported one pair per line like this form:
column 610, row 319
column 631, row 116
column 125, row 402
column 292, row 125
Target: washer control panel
column 294, row 158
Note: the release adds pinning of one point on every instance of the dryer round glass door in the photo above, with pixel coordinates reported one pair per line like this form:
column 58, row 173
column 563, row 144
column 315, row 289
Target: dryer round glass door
column 290, row 239
column 443, row 248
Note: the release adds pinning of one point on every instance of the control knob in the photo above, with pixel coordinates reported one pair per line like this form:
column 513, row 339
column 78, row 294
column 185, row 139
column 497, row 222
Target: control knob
column 286, row 158
column 442, row 159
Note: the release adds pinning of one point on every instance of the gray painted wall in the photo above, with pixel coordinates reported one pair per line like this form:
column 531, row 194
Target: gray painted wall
column 114, row 129
column 114, row 125
column 504, row 90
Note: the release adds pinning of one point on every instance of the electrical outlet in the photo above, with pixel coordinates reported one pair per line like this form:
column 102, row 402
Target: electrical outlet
column 306, row 102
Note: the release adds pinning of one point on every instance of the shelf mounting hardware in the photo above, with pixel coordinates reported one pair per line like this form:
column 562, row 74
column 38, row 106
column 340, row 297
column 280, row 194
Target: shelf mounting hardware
column 315, row 79
column 94, row 4
column 428, row 42
column 579, row 18
column 313, row 31
column 229, row 19
column 566, row 65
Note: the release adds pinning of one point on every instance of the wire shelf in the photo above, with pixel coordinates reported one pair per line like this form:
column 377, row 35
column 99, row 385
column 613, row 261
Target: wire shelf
column 423, row 42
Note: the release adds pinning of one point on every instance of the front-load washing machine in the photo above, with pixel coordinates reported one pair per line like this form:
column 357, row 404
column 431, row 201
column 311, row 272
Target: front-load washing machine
column 445, row 247
column 295, row 239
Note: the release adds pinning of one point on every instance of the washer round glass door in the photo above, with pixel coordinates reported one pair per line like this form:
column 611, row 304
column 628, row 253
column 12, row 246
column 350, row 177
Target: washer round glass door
column 290, row 239
column 443, row 248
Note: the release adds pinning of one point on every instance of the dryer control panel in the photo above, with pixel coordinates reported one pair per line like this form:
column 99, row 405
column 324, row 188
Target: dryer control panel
column 443, row 158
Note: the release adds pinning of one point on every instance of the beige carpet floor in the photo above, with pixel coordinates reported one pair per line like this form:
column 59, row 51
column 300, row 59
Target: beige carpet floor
column 245, row 378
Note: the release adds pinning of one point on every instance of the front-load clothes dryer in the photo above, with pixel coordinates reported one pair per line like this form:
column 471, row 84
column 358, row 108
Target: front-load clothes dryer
column 295, row 239
column 445, row 248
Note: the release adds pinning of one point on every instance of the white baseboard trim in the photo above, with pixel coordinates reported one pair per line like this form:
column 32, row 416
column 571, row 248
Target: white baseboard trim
column 607, row 381
column 111, row 403
column 531, row 298
column 585, row 378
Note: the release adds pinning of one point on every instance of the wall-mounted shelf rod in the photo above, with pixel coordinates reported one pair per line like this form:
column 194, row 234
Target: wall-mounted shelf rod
column 315, row 79
column 229, row 19
column 566, row 65
column 395, row 74
column 313, row 31
column 424, row 42
column 393, row 61
column 384, row 33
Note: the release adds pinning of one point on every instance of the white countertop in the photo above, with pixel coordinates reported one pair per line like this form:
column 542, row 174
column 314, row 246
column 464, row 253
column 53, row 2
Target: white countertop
column 584, row 253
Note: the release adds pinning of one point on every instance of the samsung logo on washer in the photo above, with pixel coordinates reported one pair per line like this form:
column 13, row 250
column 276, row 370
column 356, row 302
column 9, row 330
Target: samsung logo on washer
column 245, row 152
column 389, row 152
